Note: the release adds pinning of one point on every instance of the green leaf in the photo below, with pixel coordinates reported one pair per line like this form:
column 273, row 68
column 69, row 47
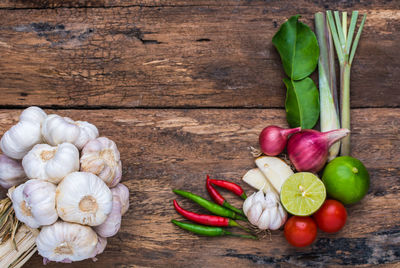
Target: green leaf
column 302, row 103
column 298, row 48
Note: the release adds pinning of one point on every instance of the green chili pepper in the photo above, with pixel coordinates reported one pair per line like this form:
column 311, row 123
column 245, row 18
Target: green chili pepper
column 207, row 230
column 210, row 206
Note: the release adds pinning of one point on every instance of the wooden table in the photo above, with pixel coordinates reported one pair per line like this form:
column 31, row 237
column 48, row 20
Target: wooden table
column 184, row 88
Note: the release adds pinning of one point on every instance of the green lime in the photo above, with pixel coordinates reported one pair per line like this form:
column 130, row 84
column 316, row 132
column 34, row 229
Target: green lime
column 346, row 179
column 302, row 194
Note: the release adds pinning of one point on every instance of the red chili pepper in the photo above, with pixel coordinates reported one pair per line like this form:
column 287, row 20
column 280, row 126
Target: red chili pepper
column 230, row 186
column 218, row 198
column 210, row 220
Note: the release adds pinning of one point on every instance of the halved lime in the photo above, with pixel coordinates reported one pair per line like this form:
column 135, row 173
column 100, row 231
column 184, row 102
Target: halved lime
column 302, row 194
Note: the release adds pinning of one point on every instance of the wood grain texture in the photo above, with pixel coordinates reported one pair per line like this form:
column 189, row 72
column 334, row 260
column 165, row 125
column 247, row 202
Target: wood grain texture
column 175, row 54
column 166, row 149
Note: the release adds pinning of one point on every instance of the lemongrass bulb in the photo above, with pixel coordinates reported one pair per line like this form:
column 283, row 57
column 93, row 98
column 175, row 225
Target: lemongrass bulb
column 11, row 172
column 49, row 163
column 83, row 198
column 33, row 114
column 111, row 225
column 57, row 129
column 66, row 242
column 20, row 139
column 101, row 157
column 122, row 192
column 34, row 203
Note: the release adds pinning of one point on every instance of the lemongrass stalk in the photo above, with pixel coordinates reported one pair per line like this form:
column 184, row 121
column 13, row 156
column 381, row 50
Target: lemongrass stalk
column 345, row 50
column 327, row 81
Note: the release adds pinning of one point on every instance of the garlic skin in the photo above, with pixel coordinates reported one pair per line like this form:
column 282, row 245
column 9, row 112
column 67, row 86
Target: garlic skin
column 11, row 172
column 101, row 157
column 52, row 164
column 113, row 222
column 20, row 139
column 122, row 192
column 83, row 198
column 33, row 114
column 100, row 247
column 57, row 129
column 34, row 203
column 66, row 242
column 265, row 212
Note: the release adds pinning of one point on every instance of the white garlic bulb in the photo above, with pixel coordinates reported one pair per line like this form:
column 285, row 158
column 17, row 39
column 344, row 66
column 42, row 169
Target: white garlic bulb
column 101, row 157
column 20, row 138
column 11, row 172
column 66, row 242
column 49, row 163
column 83, row 198
column 111, row 225
column 57, row 129
column 34, row 203
column 33, row 114
column 122, row 192
column 265, row 212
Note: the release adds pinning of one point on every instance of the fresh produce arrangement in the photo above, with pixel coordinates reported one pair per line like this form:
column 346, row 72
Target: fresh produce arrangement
column 297, row 168
column 64, row 192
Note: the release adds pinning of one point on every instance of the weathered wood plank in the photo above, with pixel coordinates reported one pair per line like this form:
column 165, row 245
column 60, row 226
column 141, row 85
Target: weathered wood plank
column 199, row 56
column 166, row 149
column 12, row 4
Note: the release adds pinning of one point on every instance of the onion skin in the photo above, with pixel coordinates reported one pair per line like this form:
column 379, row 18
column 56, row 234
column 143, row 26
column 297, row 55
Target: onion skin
column 273, row 139
column 308, row 149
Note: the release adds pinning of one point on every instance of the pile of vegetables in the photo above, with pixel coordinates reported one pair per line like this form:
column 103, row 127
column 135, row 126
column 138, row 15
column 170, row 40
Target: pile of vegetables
column 65, row 197
column 290, row 192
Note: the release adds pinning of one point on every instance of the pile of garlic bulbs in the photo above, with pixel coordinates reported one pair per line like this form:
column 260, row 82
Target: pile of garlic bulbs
column 67, row 184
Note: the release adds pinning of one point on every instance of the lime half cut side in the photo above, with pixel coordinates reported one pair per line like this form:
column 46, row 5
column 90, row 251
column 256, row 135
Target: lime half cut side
column 302, row 194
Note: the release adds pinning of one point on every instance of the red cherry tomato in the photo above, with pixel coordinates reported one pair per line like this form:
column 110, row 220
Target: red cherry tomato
column 300, row 231
column 331, row 217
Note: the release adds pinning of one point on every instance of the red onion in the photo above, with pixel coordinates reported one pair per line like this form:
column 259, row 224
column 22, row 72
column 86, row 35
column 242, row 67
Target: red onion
column 273, row 139
column 308, row 149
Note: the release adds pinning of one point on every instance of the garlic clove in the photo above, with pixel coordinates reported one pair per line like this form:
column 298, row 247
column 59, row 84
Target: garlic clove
column 57, row 129
column 111, row 225
column 122, row 192
column 83, row 198
column 50, row 163
column 34, row 203
column 255, row 213
column 259, row 198
column 275, row 170
column 265, row 219
column 20, row 139
column 101, row 157
column 247, row 204
column 100, row 247
column 66, row 242
column 276, row 220
column 256, row 179
column 87, row 133
column 11, row 172
column 33, row 114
